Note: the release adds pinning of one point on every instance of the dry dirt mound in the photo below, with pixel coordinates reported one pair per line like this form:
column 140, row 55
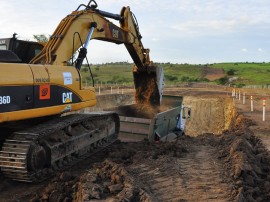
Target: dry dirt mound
column 61, row 188
column 210, row 114
column 213, row 73
column 248, row 162
column 110, row 182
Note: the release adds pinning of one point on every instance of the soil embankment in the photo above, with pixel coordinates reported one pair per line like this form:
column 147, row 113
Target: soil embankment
column 210, row 114
column 213, row 73
column 224, row 161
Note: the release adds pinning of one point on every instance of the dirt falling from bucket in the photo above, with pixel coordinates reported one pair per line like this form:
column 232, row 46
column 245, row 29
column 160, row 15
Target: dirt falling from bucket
column 144, row 92
column 146, row 97
column 147, row 92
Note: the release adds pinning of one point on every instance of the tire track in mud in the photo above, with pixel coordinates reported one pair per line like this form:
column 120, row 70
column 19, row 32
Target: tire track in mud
column 196, row 176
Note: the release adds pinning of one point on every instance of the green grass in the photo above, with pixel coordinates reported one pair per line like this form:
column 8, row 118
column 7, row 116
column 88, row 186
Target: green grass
column 110, row 73
column 121, row 73
column 248, row 73
column 183, row 72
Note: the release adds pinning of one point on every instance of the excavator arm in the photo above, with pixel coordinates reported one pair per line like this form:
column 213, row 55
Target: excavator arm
column 77, row 29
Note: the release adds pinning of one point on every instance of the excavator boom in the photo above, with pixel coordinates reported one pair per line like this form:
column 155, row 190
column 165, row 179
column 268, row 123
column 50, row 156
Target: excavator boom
column 92, row 23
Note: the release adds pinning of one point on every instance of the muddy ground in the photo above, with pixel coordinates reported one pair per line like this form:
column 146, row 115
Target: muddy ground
column 223, row 162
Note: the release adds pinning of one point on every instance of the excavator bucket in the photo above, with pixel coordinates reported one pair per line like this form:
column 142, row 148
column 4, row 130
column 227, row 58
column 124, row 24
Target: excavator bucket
column 149, row 85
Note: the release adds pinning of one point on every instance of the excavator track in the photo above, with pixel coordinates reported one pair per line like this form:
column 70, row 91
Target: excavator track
column 37, row 153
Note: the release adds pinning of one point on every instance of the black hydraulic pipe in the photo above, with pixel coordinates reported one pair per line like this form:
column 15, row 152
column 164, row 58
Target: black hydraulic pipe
column 109, row 15
column 103, row 13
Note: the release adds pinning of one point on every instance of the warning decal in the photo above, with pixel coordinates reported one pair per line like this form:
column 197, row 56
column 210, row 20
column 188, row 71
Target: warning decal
column 67, row 78
column 44, row 92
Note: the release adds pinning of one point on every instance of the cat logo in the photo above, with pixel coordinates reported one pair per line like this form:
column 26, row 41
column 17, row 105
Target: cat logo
column 67, row 97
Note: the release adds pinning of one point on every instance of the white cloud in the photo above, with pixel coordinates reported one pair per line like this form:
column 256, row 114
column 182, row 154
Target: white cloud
column 190, row 26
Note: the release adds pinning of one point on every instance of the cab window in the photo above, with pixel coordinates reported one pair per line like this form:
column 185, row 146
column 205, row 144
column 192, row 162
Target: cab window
column 3, row 47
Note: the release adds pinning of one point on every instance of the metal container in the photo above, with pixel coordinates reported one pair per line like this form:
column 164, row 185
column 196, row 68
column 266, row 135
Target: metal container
column 138, row 123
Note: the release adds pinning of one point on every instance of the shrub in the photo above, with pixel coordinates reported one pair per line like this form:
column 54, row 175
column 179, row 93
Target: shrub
column 222, row 81
column 231, row 72
column 185, row 78
column 240, row 85
column 171, row 78
column 204, row 80
column 119, row 79
column 84, row 69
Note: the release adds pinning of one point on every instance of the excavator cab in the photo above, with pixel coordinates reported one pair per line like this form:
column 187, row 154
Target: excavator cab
column 24, row 50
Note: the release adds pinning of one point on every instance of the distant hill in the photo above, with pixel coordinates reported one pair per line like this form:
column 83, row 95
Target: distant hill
column 247, row 73
column 243, row 73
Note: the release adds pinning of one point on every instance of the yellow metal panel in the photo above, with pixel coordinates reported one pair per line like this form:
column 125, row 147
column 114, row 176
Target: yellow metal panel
column 88, row 94
column 64, row 47
column 66, row 76
column 40, row 112
column 57, row 76
column 41, row 74
column 15, row 74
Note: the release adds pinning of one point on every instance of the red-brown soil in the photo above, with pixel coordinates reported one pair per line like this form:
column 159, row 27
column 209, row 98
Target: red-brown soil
column 231, row 165
column 213, row 73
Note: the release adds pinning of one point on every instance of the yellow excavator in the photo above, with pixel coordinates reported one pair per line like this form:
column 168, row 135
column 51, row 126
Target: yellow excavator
column 35, row 138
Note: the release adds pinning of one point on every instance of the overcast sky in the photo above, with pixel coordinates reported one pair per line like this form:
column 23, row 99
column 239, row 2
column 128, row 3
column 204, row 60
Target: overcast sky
column 177, row 31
